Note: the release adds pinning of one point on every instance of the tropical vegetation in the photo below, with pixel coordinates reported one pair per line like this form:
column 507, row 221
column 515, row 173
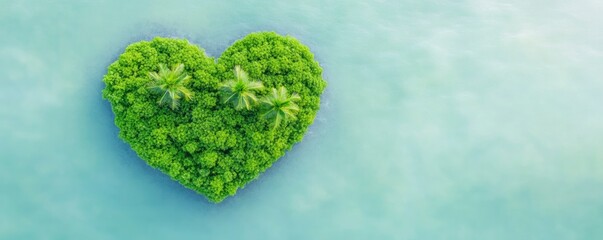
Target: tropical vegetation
column 241, row 91
column 279, row 106
column 171, row 85
column 210, row 143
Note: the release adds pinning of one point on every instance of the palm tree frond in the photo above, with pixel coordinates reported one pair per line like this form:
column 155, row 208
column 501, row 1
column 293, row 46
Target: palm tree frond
column 154, row 76
column 255, row 85
column 295, row 97
column 240, row 74
column 163, row 70
column 178, row 69
column 188, row 95
column 277, row 120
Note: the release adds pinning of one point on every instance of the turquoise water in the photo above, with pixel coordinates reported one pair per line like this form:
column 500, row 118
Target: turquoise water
column 476, row 119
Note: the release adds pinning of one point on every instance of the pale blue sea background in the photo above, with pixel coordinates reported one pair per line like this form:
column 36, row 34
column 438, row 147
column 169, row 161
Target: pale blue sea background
column 470, row 119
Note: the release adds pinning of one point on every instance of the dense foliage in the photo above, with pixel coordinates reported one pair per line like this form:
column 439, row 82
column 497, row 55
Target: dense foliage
column 206, row 144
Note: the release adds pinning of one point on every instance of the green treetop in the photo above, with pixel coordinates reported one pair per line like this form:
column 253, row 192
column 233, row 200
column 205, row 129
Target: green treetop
column 171, row 84
column 279, row 106
column 241, row 90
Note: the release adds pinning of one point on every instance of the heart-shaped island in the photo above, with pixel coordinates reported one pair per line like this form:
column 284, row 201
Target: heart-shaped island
column 214, row 126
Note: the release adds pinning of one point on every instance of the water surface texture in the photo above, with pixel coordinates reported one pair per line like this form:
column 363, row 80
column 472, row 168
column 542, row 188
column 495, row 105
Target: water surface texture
column 472, row 119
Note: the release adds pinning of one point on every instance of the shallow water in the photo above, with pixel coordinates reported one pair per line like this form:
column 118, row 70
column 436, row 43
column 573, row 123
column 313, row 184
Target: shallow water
column 476, row 119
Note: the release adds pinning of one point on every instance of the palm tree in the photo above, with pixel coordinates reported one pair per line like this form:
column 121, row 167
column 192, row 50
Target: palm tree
column 240, row 91
column 171, row 84
column 279, row 106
